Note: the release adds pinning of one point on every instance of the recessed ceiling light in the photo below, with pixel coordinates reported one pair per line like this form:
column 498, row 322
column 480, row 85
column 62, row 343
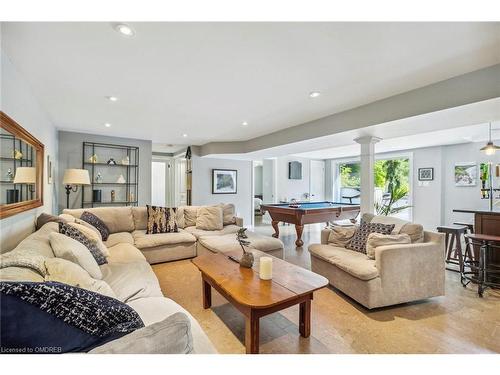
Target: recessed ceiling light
column 184, row 135
column 112, row 98
column 124, row 29
column 244, row 123
column 107, row 124
column 314, row 94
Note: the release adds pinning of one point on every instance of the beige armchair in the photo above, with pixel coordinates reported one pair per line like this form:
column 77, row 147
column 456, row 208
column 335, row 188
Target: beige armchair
column 398, row 274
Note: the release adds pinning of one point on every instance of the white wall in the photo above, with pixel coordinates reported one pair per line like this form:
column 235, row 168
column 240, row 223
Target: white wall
column 18, row 102
column 269, row 181
column 202, row 185
column 286, row 188
column 434, row 201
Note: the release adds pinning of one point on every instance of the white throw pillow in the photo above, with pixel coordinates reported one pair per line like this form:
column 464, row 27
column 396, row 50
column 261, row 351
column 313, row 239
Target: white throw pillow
column 64, row 271
column 92, row 235
column 376, row 240
column 72, row 250
column 210, row 218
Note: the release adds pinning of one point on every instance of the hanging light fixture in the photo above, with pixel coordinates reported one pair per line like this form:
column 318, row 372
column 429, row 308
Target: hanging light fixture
column 490, row 147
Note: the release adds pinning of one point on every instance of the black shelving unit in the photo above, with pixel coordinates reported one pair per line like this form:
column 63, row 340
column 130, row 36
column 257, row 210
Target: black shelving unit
column 126, row 192
column 9, row 144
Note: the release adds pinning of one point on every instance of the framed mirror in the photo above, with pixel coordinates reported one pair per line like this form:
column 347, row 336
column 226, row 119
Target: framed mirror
column 21, row 168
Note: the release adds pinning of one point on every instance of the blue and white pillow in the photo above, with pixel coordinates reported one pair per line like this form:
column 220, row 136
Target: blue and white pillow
column 52, row 317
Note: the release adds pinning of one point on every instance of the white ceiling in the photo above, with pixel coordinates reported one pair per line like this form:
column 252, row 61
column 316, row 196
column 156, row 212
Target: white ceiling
column 204, row 79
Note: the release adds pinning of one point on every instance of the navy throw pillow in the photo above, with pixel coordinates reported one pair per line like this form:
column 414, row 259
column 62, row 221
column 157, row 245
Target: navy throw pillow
column 52, row 317
column 75, row 234
column 92, row 219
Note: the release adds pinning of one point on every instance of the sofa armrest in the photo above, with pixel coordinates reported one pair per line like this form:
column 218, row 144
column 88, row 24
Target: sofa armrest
column 325, row 233
column 417, row 266
column 238, row 221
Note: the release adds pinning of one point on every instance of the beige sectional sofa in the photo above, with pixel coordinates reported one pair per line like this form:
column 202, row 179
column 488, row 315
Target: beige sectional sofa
column 127, row 273
column 399, row 273
column 128, row 225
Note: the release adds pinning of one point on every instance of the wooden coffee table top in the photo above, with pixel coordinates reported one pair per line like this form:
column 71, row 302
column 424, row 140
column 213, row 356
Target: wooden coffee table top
column 244, row 285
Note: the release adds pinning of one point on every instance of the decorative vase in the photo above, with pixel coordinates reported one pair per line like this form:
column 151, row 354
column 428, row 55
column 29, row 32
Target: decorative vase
column 126, row 161
column 93, row 159
column 120, row 180
column 98, row 178
column 111, row 161
column 247, row 260
column 96, row 196
column 113, row 195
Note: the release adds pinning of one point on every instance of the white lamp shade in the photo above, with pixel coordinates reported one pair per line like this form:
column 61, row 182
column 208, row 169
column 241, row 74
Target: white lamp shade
column 76, row 177
column 25, row 175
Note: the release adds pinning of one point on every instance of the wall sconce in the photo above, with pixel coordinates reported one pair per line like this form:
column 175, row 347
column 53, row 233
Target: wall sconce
column 72, row 179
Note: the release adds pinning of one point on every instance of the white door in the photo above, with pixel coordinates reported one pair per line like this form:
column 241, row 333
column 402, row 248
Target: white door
column 158, row 183
column 180, row 182
column 317, row 180
column 269, row 180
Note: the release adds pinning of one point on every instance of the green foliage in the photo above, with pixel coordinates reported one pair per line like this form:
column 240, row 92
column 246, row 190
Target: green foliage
column 396, row 184
column 349, row 175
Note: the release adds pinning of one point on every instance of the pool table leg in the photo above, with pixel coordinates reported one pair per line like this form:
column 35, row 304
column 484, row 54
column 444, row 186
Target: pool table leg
column 276, row 233
column 299, row 229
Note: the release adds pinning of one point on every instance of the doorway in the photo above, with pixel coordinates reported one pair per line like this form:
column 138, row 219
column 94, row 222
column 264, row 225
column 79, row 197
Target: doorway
column 317, row 181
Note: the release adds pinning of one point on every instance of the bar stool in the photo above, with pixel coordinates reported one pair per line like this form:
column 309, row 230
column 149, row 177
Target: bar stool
column 484, row 278
column 469, row 254
column 453, row 241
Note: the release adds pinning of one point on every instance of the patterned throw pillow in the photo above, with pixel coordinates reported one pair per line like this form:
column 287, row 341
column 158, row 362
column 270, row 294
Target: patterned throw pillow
column 97, row 223
column 51, row 317
column 161, row 220
column 75, row 234
column 358, row 242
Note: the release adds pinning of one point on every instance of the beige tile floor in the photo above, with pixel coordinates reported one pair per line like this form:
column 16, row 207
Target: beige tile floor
column 459, row 322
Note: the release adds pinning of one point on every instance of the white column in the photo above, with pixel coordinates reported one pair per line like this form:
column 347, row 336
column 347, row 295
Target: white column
column 367, row 175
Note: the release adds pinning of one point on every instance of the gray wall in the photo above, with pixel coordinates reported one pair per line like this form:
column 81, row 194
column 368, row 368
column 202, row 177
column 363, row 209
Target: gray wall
column 18, row 102
column 202, row 185
column 70, row 156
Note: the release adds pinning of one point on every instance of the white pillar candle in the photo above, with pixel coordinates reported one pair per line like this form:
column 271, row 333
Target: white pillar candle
column 266, row 268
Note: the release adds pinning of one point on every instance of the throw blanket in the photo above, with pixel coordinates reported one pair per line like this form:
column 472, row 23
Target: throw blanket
column 56, row 315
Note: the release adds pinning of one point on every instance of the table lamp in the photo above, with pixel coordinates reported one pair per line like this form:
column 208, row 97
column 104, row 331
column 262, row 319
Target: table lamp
column 73, row 178
column 26, row 175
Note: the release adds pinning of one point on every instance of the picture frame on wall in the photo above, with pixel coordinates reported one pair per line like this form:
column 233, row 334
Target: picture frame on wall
column 466, row 174
column 425, row 174
column 224, row 181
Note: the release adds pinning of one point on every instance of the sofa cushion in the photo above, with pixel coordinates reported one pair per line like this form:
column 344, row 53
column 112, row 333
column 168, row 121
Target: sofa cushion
column 140, row 215
column 125, row 253
column 210, row 218
column 190, row 214
column 38, row 242
column 25, row 259
column 169, row 336
column 90, row 244
column 376, row 239
column 93, row 235
column 20, row 274
column 72, row 250
column 228, row 242
column 67, row 272
column 132, row 280
column 96, row 222
column 228, row 229
column 340, row 235
column 117, row 219
column 352, row 262
column 152, row 310
column 144, row 241
column 228, row 212
column 119, row 237
column 415, row 231
column 358, row 241
column 161, row 220
column 46, row 218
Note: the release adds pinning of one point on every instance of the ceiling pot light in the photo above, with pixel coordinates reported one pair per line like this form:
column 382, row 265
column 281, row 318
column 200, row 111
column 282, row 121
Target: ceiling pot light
column 314, row 94
column 112, row 98
column 107, row 124
column 124, row 29
column 184, row 135
column 490, row 147
column 244, row 123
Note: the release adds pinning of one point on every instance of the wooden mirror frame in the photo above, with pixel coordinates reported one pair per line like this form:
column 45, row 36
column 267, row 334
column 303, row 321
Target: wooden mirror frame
column 19, row 132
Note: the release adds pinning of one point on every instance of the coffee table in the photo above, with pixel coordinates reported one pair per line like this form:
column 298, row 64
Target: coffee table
column 256, row 298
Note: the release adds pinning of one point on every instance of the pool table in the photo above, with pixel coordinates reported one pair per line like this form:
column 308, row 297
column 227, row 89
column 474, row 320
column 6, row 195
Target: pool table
column 309, row 213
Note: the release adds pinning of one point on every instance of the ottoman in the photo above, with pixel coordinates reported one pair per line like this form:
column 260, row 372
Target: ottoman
column 228, row 242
